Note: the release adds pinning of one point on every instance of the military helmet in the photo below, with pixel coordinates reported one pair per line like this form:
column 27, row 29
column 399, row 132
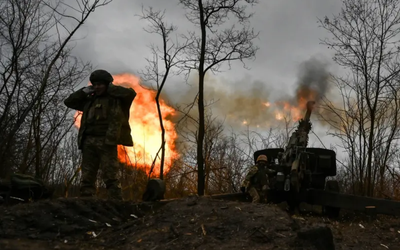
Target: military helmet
column 262, row 158
column 101, row 75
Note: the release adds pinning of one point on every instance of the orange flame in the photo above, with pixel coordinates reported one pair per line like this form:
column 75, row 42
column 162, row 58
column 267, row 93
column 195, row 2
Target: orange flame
column 296, row 112
column 145, row 128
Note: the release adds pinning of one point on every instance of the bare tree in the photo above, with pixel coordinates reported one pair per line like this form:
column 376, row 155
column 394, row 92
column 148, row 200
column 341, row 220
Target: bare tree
column 214, row 46
column 169, row 56
column 364, row 37
column 66, row 171
column 36, row 72
column 227, row 154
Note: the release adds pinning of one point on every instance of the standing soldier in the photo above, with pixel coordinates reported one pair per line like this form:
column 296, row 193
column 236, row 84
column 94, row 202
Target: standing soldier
column 256, row 182
column 104, row 125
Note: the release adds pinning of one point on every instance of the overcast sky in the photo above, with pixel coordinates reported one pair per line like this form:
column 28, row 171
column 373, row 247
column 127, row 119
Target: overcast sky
column 289, row 35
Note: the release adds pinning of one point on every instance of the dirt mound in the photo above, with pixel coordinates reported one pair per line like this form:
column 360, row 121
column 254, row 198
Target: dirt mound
column 192, row 223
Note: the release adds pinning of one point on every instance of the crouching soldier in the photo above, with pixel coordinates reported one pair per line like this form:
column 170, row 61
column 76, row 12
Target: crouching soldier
column 104, row 125
column 256, row 182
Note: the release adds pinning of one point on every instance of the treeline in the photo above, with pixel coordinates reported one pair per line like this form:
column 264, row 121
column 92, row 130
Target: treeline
column 38, row 72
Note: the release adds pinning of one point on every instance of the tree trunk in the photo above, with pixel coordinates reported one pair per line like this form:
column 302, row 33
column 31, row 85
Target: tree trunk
column 200, row 138
column 38, row 142
column 162, row 136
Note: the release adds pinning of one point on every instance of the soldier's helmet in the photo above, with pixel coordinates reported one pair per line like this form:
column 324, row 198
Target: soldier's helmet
column 262, row 158
column 101, row 75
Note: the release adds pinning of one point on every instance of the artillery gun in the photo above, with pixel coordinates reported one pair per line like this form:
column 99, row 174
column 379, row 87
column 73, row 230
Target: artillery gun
column 301, row 176
column 299, row 168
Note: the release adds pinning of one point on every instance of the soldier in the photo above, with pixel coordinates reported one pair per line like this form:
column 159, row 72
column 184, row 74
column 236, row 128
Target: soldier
column 104, row 125
column 256, row 182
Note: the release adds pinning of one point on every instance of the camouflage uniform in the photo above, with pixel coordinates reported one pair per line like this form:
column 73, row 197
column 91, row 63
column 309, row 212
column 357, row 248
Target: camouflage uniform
column 256, row 182
column 104, row 125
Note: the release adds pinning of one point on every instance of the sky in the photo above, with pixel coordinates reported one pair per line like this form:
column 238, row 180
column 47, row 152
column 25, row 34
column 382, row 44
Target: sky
column 289, row 34
column 113, row 38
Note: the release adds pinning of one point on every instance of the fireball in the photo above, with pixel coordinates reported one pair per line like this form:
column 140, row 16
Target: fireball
column 145, row 129
column 295, row 109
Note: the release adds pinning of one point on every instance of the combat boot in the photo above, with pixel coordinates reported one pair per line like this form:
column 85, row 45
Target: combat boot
column 113, row 189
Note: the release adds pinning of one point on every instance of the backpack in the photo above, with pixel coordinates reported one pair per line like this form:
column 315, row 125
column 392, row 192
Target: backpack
column 154, row 191
column 23, row 188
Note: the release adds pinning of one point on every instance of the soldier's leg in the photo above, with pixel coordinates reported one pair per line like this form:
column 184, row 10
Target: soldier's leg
column 110, row 167
column 89, row 167
column 254, row 194
column 264, row 194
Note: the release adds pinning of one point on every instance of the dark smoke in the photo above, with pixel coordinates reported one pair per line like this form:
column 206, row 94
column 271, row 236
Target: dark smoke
column 313, row 80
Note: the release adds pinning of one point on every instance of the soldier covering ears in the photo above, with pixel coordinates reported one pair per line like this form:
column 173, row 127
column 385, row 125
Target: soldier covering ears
column 104, row 125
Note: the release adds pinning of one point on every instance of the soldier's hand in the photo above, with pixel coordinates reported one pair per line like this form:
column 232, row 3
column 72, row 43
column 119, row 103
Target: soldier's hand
column 243, row 189
column 88, row 90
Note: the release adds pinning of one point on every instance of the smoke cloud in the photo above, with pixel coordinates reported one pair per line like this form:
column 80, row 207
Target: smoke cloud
column 313, row 80
column 255, row 103
column 238, row 103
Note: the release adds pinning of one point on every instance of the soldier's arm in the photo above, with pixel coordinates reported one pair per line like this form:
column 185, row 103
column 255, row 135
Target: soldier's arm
column 126, row 95
column 253, row 170
column 76, row 100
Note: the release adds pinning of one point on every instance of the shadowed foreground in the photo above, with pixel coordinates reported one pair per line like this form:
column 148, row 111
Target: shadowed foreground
column 191, row 223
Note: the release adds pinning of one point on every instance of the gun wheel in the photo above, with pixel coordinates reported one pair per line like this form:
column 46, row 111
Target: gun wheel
column 292, row 201
column 295, row 183
column 333, row 212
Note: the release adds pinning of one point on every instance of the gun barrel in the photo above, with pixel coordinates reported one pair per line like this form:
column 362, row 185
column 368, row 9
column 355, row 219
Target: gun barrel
column 310, row 106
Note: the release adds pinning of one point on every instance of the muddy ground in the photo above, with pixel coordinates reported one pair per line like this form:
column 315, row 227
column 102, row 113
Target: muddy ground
column 191, row 223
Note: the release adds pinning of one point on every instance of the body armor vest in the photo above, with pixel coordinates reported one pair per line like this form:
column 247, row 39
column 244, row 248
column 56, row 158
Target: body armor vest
column 97, row 121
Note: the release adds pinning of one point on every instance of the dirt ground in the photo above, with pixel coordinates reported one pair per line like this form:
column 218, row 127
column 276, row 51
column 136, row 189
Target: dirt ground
column 191, row 223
